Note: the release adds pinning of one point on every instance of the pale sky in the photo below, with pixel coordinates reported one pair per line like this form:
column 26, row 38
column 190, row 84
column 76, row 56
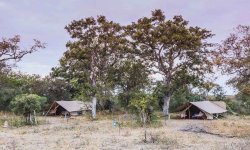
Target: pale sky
column 45, row 20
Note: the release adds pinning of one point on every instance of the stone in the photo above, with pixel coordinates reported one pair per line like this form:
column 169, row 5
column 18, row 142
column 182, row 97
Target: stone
column 5, row 125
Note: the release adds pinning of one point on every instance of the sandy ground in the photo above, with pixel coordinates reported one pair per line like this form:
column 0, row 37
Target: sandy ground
column 80, row 133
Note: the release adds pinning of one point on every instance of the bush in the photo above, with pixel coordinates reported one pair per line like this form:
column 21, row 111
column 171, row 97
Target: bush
column 27, row 105
column 232, row 106
column 143, row 105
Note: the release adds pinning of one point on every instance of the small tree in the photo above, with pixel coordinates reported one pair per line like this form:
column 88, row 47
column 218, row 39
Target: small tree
column 143, row 105
column 27, row 104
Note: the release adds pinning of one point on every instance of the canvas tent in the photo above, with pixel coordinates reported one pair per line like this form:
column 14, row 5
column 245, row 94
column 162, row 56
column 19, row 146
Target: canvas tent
column 202, row 109
column 69, row 107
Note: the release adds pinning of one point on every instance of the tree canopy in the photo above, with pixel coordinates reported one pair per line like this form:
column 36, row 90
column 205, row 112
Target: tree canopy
column 97, row 46
column 169, row 47
column 27, row 104
column 10, row 50
column 234, row 59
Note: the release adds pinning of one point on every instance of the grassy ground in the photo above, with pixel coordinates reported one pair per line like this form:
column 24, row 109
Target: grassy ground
column 81, row 133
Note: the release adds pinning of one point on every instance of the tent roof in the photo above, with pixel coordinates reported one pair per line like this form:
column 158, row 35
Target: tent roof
column 209, row 107
column 72, row 106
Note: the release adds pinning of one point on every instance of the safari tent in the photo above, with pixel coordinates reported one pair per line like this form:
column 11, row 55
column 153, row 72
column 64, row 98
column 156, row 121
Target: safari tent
column 72, row 108
column 202, row 110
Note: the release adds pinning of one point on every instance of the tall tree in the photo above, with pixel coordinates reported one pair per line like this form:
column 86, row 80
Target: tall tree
column 169, row 47
column 96, row 47
column 234, row 59
column 234, row 55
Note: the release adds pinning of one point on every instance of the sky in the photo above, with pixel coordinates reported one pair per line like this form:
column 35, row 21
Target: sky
column 45, row 20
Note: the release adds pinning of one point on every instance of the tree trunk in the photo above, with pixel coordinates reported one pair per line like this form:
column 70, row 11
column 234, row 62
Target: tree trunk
column 30, row 119
column 94, row 107
column 94, row 99
column 93, row 80
column 166, row 100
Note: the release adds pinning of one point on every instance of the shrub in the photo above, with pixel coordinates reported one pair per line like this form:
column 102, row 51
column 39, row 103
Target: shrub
column 27, row 105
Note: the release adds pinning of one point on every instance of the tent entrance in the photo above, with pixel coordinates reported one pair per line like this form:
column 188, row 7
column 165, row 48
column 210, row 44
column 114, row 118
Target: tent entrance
column 60, row 111
column 56, row 109
column 194, row 112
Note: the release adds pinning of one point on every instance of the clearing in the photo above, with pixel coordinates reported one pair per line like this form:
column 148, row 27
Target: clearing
column 81, row 133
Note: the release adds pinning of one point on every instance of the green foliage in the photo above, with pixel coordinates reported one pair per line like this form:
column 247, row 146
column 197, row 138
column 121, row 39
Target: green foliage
column 9, row 88
column 233, row 106
column 179, row 97
column 128, row 78
column 6, row 95
column 143, row 104
column 12, row 84
column 25, row 104
column 113, row 63
column 243, row 99
column 10, row 51
column 140, row 103
column 96, row 47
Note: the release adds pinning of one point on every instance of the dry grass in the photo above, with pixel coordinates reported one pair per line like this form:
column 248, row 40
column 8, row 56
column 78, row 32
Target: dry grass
column 232, row 126
column 81, row 133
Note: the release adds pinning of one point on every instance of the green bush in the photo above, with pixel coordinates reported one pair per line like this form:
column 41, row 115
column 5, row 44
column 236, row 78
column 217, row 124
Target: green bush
column 27, row 105
column 140, row 105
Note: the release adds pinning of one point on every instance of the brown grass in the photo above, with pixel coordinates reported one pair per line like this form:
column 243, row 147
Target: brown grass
column 81, row 133
column 232, row 126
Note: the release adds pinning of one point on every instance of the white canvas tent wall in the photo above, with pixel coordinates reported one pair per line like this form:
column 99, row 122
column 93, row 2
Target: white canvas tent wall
column 70, row 107
column 206, row 109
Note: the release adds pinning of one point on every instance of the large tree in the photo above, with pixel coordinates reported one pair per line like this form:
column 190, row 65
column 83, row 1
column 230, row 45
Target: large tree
column 234, row 55
column 96, row 46
column 169, row 47
column 234, row 59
